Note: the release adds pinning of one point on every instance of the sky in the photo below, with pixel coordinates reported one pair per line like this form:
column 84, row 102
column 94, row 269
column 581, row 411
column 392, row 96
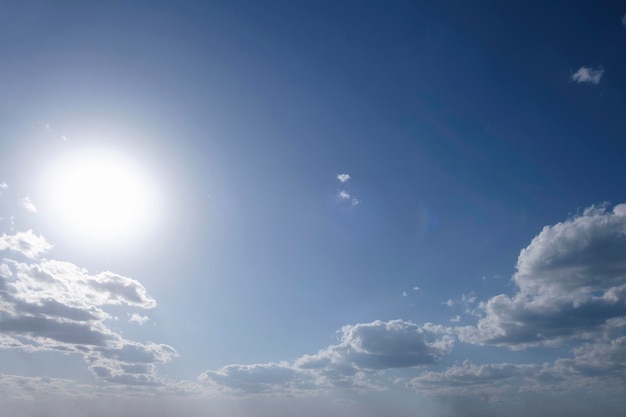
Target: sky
column 243, row 208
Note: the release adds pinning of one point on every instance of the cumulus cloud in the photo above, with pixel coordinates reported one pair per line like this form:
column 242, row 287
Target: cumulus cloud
column 56, row 306
column 26, row 243
column 588, row 75
column 364, row 349
column 138, row 318
column 571, row 282
column 343, row 177
column 28, row 205
column 344, row 195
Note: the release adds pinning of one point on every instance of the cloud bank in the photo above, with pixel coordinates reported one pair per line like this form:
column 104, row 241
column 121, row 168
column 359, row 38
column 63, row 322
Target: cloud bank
column 365, row 350
column 49, row 305
column 571, row 283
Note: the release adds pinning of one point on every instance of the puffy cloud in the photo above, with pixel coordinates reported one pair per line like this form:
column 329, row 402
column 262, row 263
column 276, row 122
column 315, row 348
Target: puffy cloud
column 27, row 243
column 603, row 360
column 588, row 75
column 3, row 186
column 139, row 319
column 571, row 283
column 344, row 195
column 56, row 306
column 365, row 349
column 343, row 177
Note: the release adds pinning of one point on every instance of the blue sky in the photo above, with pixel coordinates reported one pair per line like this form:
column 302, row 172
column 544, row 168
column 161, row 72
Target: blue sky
column 304, row 208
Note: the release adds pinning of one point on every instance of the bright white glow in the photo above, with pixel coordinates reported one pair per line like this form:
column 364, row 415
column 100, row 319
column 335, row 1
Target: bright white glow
column 100, row 197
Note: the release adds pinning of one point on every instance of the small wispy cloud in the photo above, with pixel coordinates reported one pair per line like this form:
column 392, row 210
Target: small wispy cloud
column 3, row 185
column 588, row 75
column 138, row 318
column 343, row 177
column 416, row 288
column 624, row 20
column 404, row 294
column 455, row 319
column 345, row 195
column 28, row 205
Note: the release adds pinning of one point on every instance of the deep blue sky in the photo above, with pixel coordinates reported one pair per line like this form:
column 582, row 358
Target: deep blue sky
column 473, row 251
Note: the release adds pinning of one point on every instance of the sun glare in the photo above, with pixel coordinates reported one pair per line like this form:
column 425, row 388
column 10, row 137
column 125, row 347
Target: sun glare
column 100, row 197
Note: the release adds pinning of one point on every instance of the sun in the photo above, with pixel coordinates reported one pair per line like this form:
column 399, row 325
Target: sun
column 100, row 196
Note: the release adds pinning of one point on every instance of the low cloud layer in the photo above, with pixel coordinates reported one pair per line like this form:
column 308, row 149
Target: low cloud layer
column 365, row 349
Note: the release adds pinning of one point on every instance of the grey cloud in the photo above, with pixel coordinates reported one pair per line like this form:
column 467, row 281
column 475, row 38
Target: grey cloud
column 604, row 359
column 393, row 344
column 64, row 332
column 57, row 306
column 365, row 349
column 571, row 283
column 138, row 353
column 470, row 375
column 121, row 289
column 51, row 307
column 258, row 378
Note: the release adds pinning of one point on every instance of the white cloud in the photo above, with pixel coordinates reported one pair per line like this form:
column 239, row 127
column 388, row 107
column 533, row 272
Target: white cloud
column 56, row 306
column 28, row 205
column 588, row 75
column 138, row 318
column 355, row 202
column 416, row 288
column 26, row 243
column 343, row 194
column 468, row 300
column 455, row 319
column 366, row 349
column 404, row 294
column 3, row 185
column 571, row 283
column 343, row 177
